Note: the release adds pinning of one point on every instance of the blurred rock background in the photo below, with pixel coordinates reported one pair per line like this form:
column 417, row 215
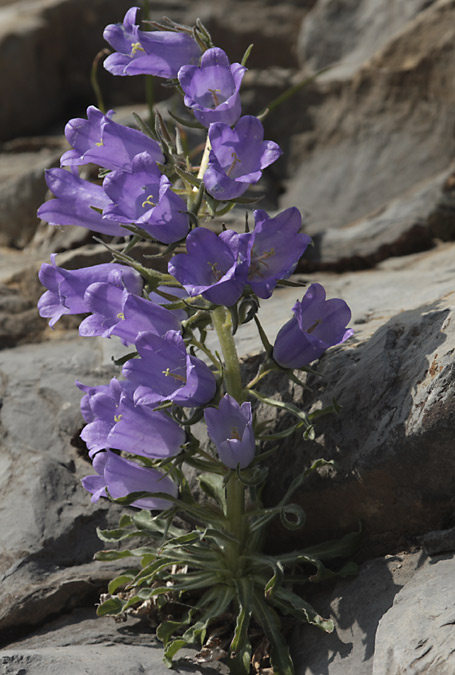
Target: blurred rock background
column 369, row 159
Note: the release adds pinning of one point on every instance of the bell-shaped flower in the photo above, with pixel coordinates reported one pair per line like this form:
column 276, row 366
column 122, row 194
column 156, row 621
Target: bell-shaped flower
column 118, row 477
column 317, row 324
column 214, row 266
column 166, row 372
column 143, row 431
column 113, row 421
column 100, row 409
column 100, row 140
column 117, row 312
column 66, row 288
column 137, row 52
column 237, row 157
column 78, row 202
column 144, row 197
column 230, row 427
column 275, row 247
column 212, row 89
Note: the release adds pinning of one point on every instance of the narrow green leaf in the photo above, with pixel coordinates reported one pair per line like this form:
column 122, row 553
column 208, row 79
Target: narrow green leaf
column 246, row 54
column 112, row 555
column 185, row 121
column 110, row 606
column 171, row 650
column 292, row 603
column 240, row 645
column 166, row 630
column 279, row 650
column 116, row 583
column 213, row 486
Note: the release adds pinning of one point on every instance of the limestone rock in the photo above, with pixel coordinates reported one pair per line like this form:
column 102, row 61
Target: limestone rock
column 417, row 634
column 357, row 605
column 345, row 34
column 405, row 225
column 23, row 187
column 355, row 155
column 47, row 523
column 81, row 642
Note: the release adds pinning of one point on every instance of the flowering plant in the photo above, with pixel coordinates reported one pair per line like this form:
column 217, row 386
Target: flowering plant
column 207, row 568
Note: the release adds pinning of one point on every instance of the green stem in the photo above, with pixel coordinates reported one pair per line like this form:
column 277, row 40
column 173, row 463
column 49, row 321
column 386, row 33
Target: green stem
column 235, row 490
column 222, row 323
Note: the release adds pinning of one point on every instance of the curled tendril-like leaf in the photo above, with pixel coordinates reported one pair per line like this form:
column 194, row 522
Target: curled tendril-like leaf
column 292, row 516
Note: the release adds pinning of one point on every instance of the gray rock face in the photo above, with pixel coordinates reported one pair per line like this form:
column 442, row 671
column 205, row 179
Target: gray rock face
column 417, row 634
column 371, row 167
column 357, row 606
column 354, row 156
column 346, row 33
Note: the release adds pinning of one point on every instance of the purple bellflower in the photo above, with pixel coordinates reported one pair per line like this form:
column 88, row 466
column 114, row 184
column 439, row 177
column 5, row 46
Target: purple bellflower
column 66, row 288
column 230, row 427
column 100, row 408
column 144, row 198
column 114, row 422
column 275, row 247
column 100, row 140
column 118, row 312
column 160, row 53
column 165, row 372
column 118, row 477
column 78, row 202
column 212, row 89
column 317, row 324
column 237, row 157
column 214, row 267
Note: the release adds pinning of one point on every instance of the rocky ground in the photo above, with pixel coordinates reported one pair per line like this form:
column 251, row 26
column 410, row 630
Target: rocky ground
column 369, row 149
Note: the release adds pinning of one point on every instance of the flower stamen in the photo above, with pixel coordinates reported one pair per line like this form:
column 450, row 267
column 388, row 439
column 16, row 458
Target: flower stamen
column 136, row 47
column 168, row 373
column 234, row 162
column 149, row 200
column 314, row 326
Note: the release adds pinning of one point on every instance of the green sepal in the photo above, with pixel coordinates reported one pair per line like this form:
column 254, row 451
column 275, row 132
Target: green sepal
column 185, row 121
column 123, row 359
column 292, row 284
column 188, row 177
column 144, row 127
column 246, row 54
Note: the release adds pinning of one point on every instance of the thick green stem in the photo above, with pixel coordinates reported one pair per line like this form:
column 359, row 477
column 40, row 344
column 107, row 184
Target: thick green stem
column 222, row 323
column 235, row 490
